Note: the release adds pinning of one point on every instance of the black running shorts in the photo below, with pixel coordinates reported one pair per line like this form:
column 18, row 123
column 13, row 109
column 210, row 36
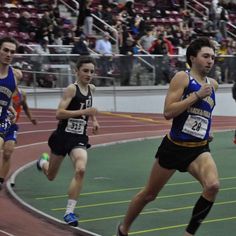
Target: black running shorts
column 61, row 143
column 173, row 156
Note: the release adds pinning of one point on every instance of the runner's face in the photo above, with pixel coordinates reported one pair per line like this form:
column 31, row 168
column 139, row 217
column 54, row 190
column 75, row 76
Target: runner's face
column 7, row 52
column 204, row 60
column 86, row 72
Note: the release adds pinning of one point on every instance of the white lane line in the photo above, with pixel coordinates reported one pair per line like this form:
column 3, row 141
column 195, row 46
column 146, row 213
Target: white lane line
column 6, row 233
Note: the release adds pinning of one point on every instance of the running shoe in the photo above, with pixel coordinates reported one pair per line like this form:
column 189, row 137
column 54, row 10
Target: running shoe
column 71, row 219
column 118, row 232
column 44, row 157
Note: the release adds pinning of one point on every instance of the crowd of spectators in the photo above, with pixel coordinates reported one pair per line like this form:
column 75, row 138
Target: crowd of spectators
column 137, row 27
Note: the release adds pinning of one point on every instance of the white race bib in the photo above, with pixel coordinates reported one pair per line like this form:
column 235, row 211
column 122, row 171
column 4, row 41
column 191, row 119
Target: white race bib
column 75, row 126
column 196, row 126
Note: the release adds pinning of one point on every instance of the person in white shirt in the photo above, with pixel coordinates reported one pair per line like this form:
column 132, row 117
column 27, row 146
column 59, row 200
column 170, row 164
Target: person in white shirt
column 104, row 47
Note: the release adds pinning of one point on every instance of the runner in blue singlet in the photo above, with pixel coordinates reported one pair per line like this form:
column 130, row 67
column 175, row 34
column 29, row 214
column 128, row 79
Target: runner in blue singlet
column 189, row 102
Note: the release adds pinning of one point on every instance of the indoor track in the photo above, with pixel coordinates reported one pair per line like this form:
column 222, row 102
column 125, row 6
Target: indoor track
column 32, row 140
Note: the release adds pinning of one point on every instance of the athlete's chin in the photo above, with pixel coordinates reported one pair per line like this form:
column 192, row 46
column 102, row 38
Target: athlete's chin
column 6, row 62
column 207, row 70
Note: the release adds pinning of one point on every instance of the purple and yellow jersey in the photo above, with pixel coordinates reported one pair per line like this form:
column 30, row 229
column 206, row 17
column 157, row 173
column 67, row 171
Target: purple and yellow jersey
column 7, row 88
column 193, row 125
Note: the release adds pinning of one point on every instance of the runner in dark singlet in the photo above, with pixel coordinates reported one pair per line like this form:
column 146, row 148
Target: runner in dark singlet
column 70, row 137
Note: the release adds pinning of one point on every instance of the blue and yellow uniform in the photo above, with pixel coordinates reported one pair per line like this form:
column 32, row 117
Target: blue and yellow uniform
column 189, row 134
column 194, row 124
column 17, row 100
column 7, row 88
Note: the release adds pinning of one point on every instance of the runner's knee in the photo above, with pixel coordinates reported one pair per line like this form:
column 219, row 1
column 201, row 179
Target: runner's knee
column 79, row 172
column 51, row 177
column 212, row 188
column 7, row 154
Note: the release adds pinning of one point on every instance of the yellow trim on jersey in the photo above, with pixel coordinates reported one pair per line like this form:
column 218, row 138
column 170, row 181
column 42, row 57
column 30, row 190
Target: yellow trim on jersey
column 188, row 144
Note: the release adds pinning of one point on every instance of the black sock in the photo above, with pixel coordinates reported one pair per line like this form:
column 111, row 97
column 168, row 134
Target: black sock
column 1, row 180
column 200, row 211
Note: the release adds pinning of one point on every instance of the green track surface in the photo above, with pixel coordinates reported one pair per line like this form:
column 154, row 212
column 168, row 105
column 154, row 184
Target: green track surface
column 115, row 173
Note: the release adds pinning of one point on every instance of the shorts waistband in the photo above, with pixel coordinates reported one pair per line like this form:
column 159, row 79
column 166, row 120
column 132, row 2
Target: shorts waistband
column 188, row 144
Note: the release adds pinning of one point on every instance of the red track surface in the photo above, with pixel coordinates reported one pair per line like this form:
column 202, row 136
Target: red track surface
column 32, row 140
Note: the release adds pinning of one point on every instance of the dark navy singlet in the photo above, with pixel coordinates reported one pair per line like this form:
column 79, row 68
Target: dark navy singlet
column 7, row 87
column 194, row 123
column 77, row 125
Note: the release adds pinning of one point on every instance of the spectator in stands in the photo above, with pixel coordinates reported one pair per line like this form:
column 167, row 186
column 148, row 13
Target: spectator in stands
column 100, row 14
column 181, row 61
column 212, row 13
column 104, row 47
column 85, row 19
column 58, row 42
column 146, row 41
column 108, row 16
column 137, row 26
column 41, row 62
column 232, row 61
column 161, row 60
column 24, row 24
column 222, row 61
column 224, row 18
column 127, row 49
column 80, row 45
column 109, row 3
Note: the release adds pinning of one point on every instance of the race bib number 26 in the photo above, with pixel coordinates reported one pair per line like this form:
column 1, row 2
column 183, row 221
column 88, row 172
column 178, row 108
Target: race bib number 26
column 196, row 126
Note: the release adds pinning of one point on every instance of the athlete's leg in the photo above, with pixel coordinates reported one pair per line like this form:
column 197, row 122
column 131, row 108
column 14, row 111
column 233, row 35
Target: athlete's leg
column 8, row 149
column 158, row 178
column 205, row 171
column 51, row 167
column 1, row 146
column 79, row 159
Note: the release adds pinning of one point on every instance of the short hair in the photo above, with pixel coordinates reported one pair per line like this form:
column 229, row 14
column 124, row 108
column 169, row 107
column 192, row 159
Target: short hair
column 196, row 45
column 84, row 60
column 8, row 39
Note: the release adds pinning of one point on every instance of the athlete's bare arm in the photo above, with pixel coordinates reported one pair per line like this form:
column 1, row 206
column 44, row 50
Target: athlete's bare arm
column 174, row 105
column 62, row 113
column 17, row 75
column 26, row 109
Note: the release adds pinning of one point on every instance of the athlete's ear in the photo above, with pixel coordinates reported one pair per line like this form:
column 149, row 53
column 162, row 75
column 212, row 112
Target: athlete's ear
column 76, row 71
column 191, row 58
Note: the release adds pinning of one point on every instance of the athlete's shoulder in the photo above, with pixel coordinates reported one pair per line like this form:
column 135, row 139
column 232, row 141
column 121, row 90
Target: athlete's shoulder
column 71, row 87
column 92, row 87
column 70, row 90
column 214, row 83
column 17, row 73
column 180, row 77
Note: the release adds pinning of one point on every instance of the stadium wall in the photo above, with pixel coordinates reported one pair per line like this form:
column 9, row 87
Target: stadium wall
column 143, row 99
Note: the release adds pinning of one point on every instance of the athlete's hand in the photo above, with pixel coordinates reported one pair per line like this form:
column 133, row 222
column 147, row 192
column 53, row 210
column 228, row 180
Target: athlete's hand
column 205, row 91
column 33, row 121
column 91, row 111
column 95, row 127
column 12, row 116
